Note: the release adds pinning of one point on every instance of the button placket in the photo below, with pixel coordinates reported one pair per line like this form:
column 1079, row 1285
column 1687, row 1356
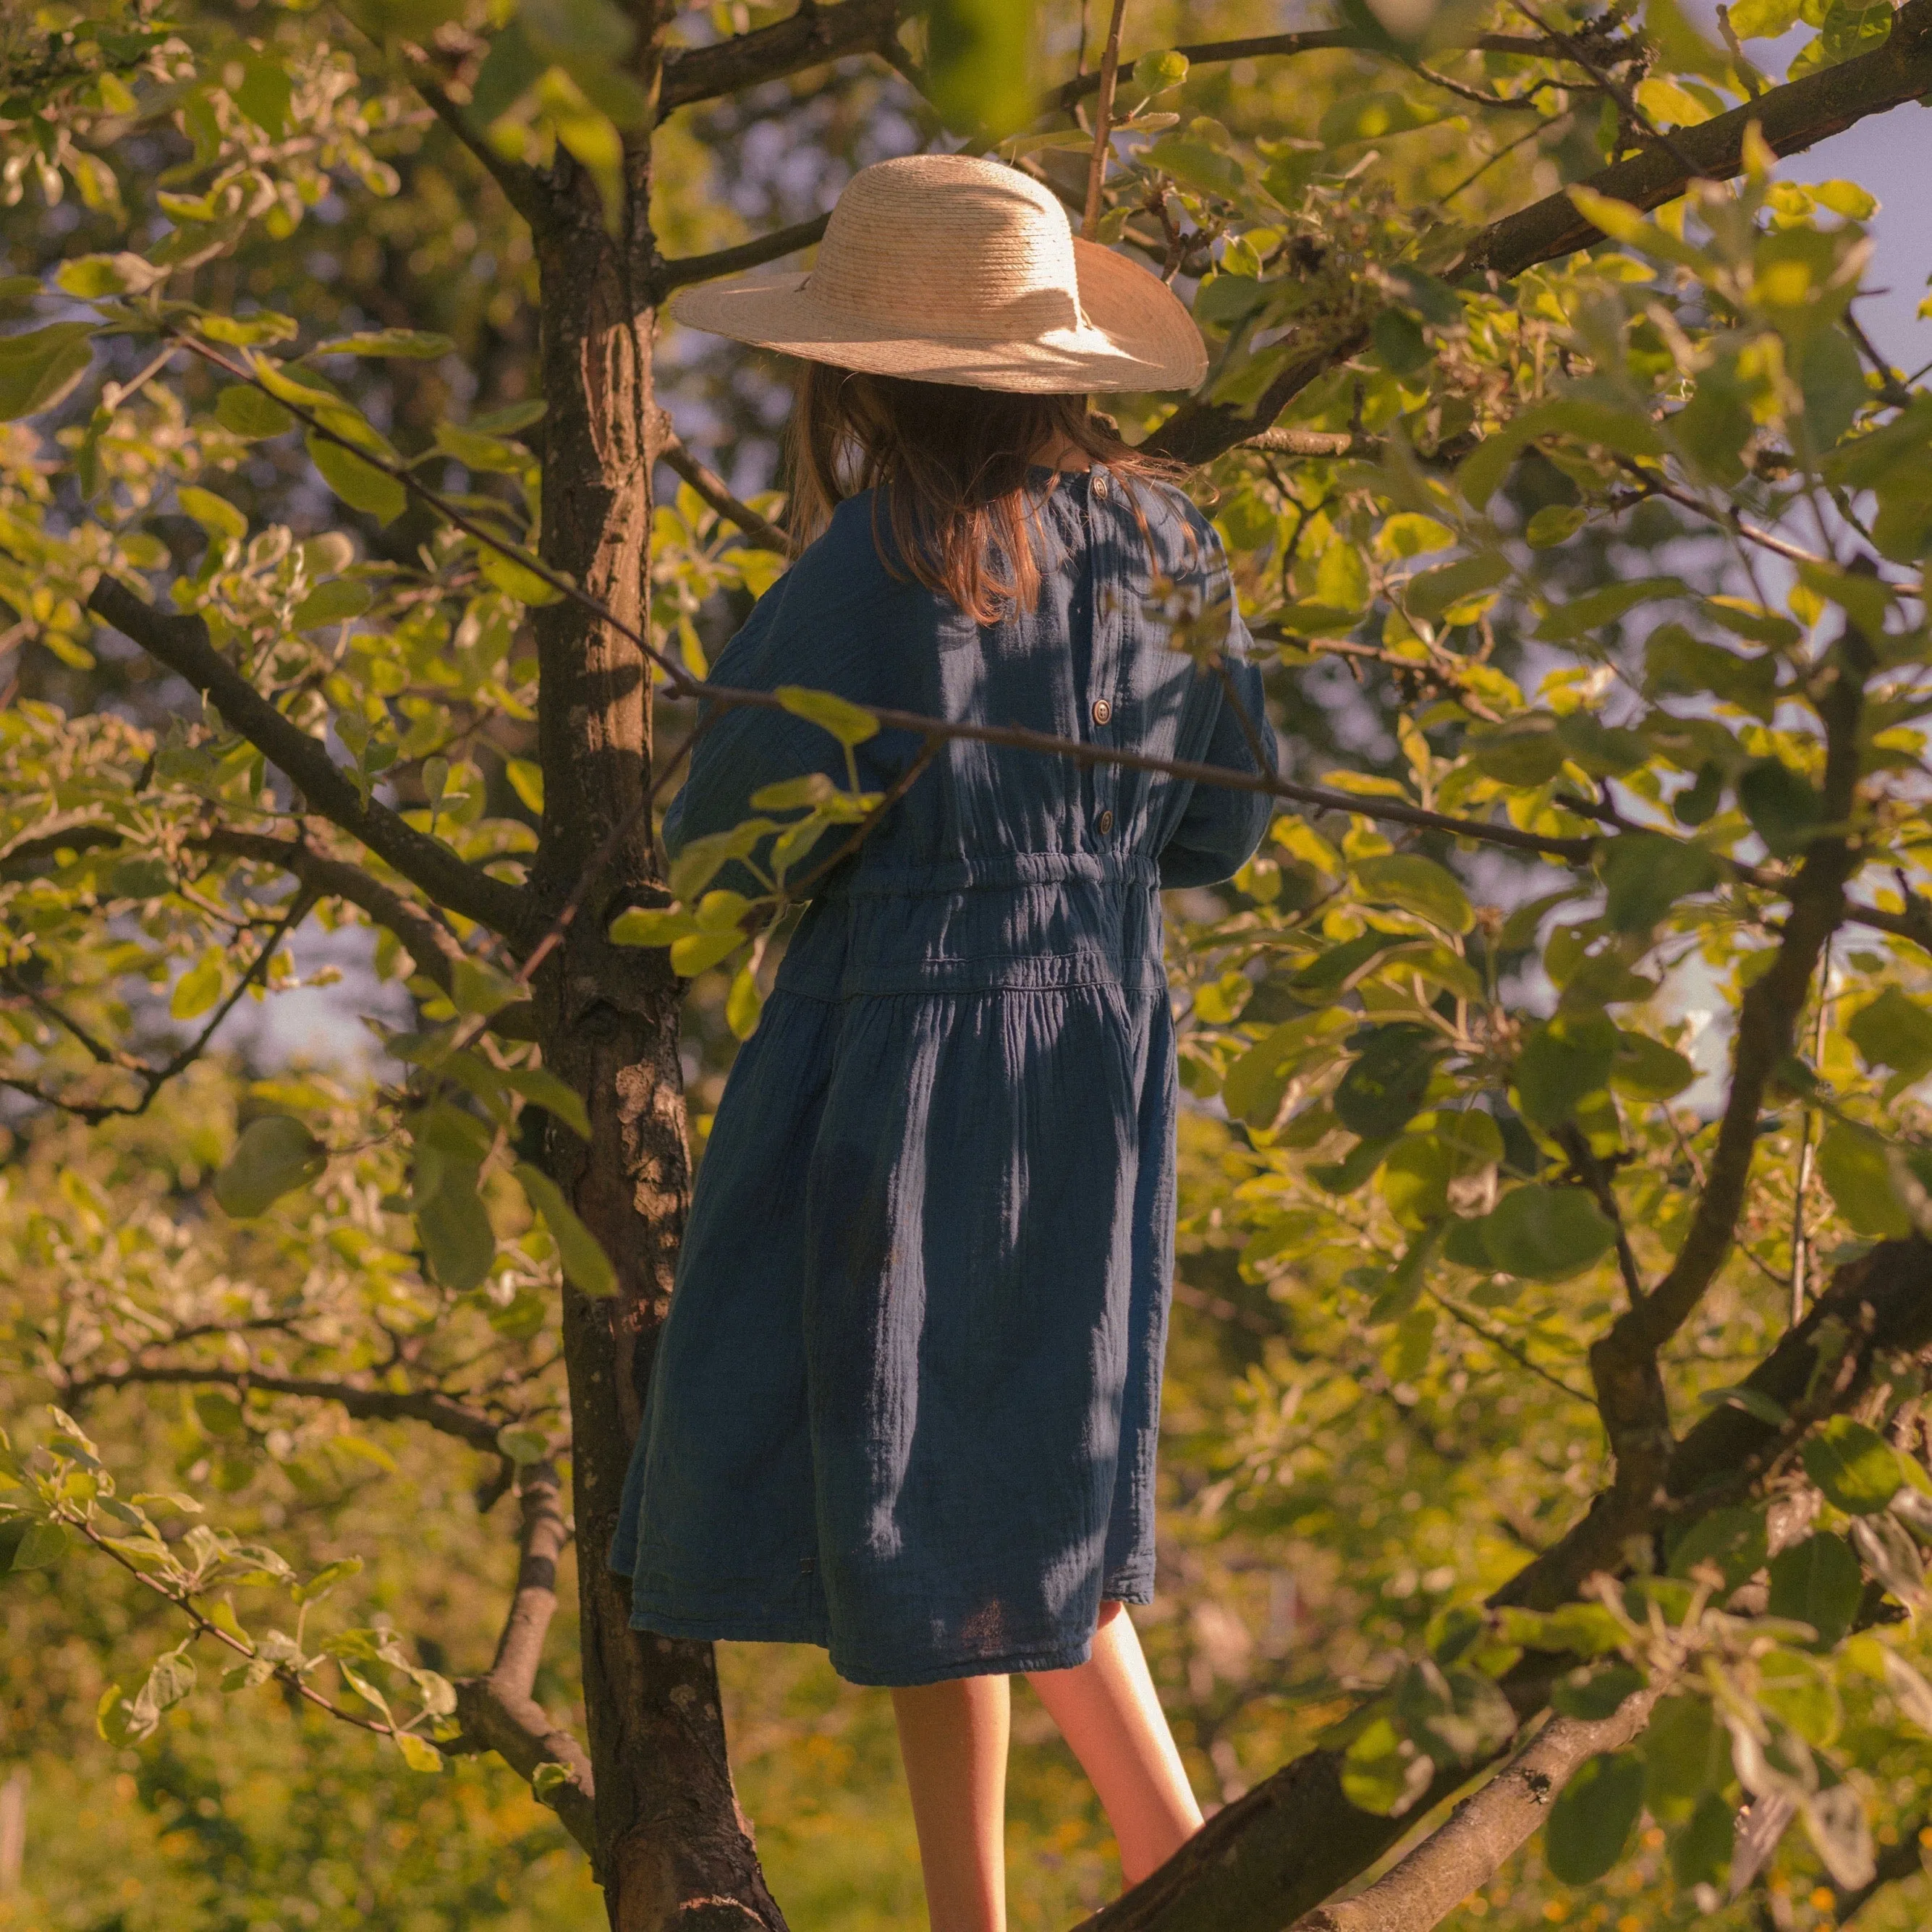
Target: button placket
column 1104, row 671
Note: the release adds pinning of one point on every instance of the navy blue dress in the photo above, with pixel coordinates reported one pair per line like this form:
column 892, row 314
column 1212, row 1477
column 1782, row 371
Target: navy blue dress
column 904, row 1404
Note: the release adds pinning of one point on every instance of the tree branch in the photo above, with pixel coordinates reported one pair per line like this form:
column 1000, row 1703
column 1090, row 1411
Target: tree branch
column 1464, row 1850
column 1266, row 46
column 1295, row 1840
column 527, row 189
column 807, row 38
column 434, row 950
column 1768, row 1019
column 499, row 1710
column 441, row 1412
column 1792, row 117
column 181, row 644
column 761, row 532
column 679, row 270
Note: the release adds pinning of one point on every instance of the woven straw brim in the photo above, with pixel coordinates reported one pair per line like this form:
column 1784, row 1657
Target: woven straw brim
column 1138, row 334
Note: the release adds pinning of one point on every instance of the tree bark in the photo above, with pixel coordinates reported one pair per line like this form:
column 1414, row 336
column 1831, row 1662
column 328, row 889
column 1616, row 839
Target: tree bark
column 1464, row 1851
column 1294, row 1840
column 672, row 1848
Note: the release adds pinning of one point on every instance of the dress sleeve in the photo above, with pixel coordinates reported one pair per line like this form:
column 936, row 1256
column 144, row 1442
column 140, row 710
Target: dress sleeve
column 1220, row 828
column 743, row 748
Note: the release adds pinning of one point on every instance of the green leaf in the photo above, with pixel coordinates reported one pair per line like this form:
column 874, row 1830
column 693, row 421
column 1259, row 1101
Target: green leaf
column 453, row 1225
column 1399, row 344
column 1646, row 1069
column 93, row 277
column 480, row 990
column 1646, row 874
column 1384, row 1087
column 264, row 95
column 979, row 63
column 218, row 517
column 38, row 369
column 325, row 1579
column 1753, row 1402
column 359, row 484
column 846, row 722
column 1858, row 1470
column 793, row 794
column 1591, row 1823
column 1793, row 1688
column 1430, row 593
column 651, row 926
column 514, row 579
column 698, row 952
column 1553, row 524
column 1561, row 1063
column 522, row 1446
column 1676, row 1746
column 416, row 344
column 418, row 1753
column 1818, row 1582
column 219, row 1413
column 243, row 410
column 1594, row 1694
column 199, row 987
column 1545, row 1234
column 275, row 1155
column 1527, row 750
column 1419, row 886
column 1371, row 117
column 1853, row 1164
column 43, row 1545
column 586, row 1266
column 1595, row 608
column 1763, row 20
column 526, row 780
column 1382, row 1772
column 542, row 1088
column 1678, row 664
column 1784, row 807
column 1734, row 1540
column 1893, row 1031
column 335, row 602
column 744, row 1004
column 1702, row 1851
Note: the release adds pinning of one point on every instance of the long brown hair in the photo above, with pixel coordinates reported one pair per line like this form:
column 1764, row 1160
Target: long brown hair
column 948, row 465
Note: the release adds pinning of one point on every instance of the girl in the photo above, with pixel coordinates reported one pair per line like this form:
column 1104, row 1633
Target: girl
column 905, row 1402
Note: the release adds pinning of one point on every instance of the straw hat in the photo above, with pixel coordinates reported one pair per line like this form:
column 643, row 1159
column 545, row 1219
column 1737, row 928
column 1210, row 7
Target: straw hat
column 953, row 269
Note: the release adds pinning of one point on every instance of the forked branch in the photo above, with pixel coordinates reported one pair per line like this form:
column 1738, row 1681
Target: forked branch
column 1791, row 118
column 499, row 1710
column 181, row 644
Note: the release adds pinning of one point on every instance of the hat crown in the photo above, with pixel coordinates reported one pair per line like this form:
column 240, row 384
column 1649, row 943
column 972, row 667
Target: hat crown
column 949, row 244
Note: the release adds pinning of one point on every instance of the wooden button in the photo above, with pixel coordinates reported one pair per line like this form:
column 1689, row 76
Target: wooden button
column 1103, row 711
column 1106, row 822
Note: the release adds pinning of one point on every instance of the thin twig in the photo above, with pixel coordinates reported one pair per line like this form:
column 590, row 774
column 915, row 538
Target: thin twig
column 1505, row 1346
column 1800, row 1240
column 1103, row 122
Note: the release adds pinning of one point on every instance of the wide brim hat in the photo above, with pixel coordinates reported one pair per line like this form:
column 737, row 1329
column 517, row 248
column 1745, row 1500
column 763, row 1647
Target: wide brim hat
column 952, row 269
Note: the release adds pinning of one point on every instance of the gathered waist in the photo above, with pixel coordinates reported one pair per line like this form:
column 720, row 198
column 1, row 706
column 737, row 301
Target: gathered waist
column 1017, row 920
column 991, row 874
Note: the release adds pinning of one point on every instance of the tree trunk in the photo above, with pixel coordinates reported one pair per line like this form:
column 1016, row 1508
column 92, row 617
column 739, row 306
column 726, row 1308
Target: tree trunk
column 673, row 1848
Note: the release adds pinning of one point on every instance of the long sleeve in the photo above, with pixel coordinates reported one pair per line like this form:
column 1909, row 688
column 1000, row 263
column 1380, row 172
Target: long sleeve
column 743, row 748
column 1221, row 827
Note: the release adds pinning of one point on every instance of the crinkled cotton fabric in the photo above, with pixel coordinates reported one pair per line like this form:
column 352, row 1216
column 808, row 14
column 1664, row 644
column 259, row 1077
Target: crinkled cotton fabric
column 905, row 1402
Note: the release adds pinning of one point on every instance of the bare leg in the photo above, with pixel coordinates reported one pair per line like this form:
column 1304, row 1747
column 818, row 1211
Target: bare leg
column 1107, row 1711
column 953, row 1741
